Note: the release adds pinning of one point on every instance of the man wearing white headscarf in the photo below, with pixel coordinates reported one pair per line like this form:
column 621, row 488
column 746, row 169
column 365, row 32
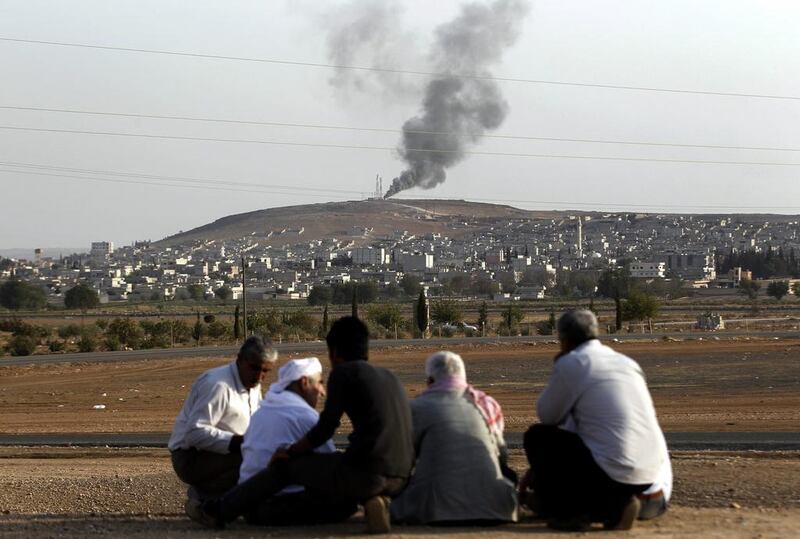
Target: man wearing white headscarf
column 285, row 415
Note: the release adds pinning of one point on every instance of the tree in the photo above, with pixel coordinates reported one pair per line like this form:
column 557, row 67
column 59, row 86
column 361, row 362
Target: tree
column 778, row 289
column 324, row 326
column 237, row 325
column 615, row 284
column 512, row 317
column 354, row 305
column 199, row 330
column 797, row 289
column 639, row 306
column 196, row 292
column 6, row 264
column 126, row 331
column 387, row 315
column 320, row 295
column 224, row 293
column 749, row 288
column 483, row 316
column 410, row 285
column 16, row 295
column 445, row 311
column 422, row 313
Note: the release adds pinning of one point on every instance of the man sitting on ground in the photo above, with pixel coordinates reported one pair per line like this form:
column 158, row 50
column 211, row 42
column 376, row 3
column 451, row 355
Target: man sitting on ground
column 378, row 459
column 598, row 436
column 457, row 477
column 286, row 414
column 207, row 437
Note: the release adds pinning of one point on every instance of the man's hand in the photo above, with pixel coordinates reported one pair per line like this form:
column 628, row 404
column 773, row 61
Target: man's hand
column 282, row 453
column 235, row 445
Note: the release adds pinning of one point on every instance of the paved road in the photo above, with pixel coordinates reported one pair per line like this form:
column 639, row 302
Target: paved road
column 318, row 347
column 687, row 441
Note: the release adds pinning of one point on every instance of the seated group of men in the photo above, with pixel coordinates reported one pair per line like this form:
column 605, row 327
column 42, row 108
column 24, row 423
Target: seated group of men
column 598, row 454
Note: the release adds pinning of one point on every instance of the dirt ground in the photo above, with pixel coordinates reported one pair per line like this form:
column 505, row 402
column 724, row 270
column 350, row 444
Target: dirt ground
column 742, row 385
column 709, row 385
column 72, row 492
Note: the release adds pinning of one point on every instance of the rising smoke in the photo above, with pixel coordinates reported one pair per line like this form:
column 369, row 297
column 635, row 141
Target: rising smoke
column 457, row 111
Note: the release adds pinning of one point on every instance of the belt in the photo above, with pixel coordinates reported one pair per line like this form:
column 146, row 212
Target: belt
column 657, row 494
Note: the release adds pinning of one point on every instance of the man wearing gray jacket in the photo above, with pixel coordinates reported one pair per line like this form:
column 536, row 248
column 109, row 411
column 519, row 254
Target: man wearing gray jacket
column 458, row 441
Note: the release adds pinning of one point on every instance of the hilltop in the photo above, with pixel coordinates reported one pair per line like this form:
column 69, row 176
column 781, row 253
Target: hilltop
column 292, row 224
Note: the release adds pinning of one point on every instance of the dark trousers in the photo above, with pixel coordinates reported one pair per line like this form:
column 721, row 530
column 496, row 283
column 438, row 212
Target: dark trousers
column 301, row 508
column 326, row 474
column 567, row 480
column 211, row 474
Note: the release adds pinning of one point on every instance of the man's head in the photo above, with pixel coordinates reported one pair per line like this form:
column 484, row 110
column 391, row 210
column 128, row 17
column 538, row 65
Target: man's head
column 575, row 328
column 303, row 377
column 256, row 358
column 348, row 340
column 443, row 365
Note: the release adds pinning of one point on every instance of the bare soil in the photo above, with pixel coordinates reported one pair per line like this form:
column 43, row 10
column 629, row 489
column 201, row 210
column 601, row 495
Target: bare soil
column 745, row 385
column 72, row 492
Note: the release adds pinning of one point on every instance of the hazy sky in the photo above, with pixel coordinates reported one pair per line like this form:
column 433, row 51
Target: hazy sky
column 713, row 46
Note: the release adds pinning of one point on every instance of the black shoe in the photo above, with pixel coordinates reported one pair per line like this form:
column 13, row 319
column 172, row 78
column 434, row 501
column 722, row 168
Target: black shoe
column 205, row 514
column 628, row 515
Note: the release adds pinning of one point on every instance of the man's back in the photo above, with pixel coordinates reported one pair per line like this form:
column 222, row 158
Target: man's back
column 457, row 475
column 602, row 396
column 376, row 403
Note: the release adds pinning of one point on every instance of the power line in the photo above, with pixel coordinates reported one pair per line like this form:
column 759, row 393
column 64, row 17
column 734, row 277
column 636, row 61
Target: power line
column 394, row 131
column 185, row 179
column 160, row 184
column 215, row 186
column 383, row 148
column 473, row 76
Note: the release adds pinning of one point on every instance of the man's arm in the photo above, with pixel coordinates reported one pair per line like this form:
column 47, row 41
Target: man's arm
column 208, row 410
column 329, row 419
column 558, row 397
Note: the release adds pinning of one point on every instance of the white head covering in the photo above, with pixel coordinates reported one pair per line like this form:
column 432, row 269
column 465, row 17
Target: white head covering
column 293, row 371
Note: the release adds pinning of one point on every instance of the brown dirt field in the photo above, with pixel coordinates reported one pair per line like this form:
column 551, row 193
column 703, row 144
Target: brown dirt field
column 731, row 385
column 72, row 492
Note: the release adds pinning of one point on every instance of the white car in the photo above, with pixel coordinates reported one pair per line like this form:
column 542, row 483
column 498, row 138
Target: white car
column 456, row 326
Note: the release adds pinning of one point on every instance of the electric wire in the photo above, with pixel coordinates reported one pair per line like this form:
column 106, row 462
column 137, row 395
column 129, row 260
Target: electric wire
column 474, row 76
column 391, row 149
column 215, row 185
column 394, row 131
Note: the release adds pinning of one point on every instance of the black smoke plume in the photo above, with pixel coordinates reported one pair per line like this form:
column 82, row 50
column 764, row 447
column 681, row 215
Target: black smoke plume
column 458, row 110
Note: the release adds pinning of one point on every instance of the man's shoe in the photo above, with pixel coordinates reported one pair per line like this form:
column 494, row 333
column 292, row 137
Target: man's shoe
column 376, row 511
column 628, row 515
column 199, row 512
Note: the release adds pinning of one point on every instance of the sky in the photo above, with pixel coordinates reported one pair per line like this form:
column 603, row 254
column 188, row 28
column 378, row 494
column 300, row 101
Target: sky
column 144, row 187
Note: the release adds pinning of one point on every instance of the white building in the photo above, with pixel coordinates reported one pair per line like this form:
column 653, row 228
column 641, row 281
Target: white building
column 415, row 261
column 648, row 270
column 368, row 256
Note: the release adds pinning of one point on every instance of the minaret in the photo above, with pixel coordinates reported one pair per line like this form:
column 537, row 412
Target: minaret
column 580, row 238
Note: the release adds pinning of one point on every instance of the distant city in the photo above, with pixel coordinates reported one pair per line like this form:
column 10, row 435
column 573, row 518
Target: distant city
column 509, row 259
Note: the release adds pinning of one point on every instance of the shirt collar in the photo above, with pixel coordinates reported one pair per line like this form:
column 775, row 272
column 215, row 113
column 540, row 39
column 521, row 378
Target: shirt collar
column 237, row 380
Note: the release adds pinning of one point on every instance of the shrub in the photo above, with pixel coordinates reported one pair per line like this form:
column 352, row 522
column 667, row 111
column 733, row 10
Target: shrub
column 56, row 346
column 126, row 330
column 21, row 345
column 102, row 323
column 111, row 343
column 87, row 343
column 70, row 330
column 217, row 330
column 209, row 318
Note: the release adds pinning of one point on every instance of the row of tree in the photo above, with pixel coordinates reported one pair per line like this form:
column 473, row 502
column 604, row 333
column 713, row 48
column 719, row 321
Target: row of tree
column 764, row 264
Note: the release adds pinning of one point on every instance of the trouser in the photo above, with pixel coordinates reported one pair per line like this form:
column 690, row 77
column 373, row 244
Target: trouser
column 301, row 508
column 568, row 481
column 211, row 474
column 327, row 474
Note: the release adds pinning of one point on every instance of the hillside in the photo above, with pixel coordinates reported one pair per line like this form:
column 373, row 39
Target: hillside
column 349, row 219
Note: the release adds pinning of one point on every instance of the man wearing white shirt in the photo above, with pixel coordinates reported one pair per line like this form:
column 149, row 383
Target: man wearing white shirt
column 206, row 440
column 285, row 415
column 599, row 444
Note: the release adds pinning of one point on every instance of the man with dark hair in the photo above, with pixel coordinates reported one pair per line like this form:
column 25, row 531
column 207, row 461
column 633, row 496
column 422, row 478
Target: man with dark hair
column 599, row 444
column 207, row 436
column 378, row 460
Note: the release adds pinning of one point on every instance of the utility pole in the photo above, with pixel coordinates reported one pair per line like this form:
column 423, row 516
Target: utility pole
column 244, row 297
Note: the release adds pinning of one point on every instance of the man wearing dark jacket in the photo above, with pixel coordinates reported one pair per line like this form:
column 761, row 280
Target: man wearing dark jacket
column 378, row 460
